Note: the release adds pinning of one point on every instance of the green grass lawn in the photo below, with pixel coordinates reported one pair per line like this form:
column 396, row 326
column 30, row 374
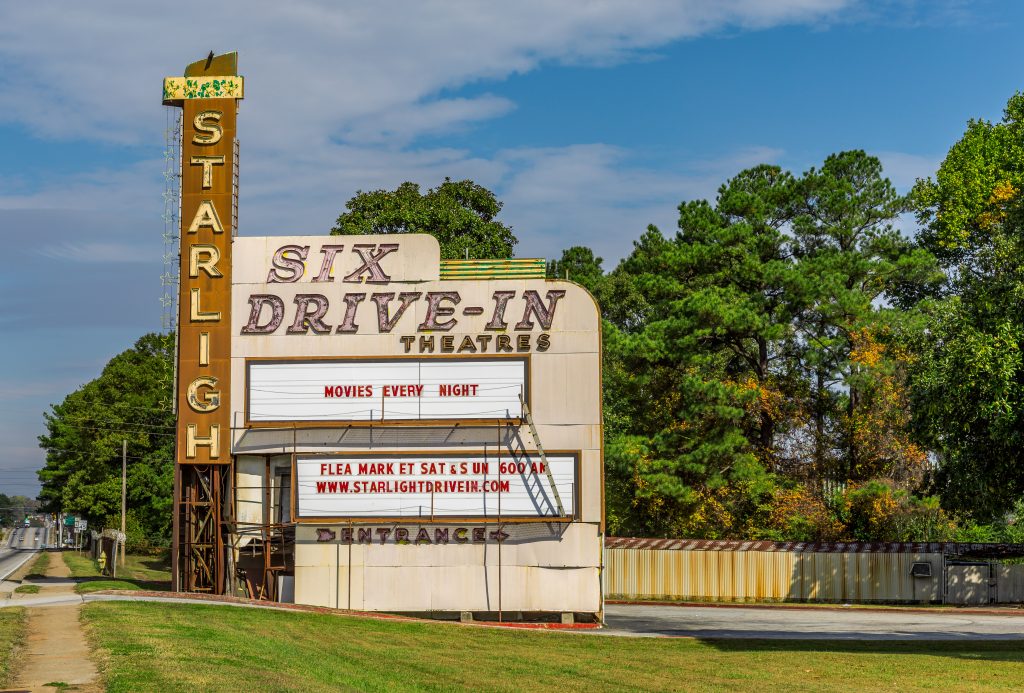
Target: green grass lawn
column 173, row 647
column 138, row 573
column 27, row 589
column 12, row 630
column 39, row 566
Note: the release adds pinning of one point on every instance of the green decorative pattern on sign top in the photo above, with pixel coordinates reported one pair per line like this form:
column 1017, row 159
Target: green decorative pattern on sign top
column 515, row 268
column 180, row 88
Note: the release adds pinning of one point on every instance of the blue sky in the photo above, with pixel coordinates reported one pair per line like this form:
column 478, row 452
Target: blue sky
column 589, row 119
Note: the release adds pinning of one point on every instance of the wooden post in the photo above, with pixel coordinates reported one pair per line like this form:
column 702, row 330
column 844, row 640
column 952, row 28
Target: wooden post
column 124, row 493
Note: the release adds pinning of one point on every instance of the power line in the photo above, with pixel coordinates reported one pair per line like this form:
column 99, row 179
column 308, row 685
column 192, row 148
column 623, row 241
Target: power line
column 49, row 450
column 117, row 423
column 115, row 407
column 119, row 430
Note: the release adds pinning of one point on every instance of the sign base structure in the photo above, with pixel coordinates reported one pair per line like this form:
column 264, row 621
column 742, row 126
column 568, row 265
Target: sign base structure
column 535, row 568
column 362, row 428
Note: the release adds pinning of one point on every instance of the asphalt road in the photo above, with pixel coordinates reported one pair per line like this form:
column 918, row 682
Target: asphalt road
column 810, row 624
column 20, row 545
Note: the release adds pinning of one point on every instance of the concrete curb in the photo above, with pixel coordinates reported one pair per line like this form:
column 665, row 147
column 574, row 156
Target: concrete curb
column 55, row 600
column 184, row 598
column 1012, row 612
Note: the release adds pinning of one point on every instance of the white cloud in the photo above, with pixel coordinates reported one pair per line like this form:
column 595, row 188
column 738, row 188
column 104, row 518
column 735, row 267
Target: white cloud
column 136, row 187
column 337, row 94
column 403, row 123
column 110, row 253
column 600, row 196
column 322, row 68
column 594, row 194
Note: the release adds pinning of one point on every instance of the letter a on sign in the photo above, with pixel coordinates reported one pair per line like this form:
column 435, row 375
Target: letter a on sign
column 206, row 216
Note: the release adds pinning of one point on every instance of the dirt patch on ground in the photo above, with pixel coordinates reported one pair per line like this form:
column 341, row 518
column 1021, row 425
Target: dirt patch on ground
column 55, row 649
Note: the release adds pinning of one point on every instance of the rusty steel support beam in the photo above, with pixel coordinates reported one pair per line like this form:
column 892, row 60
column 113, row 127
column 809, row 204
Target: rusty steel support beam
column 176, row 532
column 202, row 546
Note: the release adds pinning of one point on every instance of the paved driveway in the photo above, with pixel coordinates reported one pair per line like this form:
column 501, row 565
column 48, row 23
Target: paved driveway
column 814, row 624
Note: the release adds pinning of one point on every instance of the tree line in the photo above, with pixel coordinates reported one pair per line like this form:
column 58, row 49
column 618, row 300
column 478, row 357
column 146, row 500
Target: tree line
column 14, row 509
column 807, row 356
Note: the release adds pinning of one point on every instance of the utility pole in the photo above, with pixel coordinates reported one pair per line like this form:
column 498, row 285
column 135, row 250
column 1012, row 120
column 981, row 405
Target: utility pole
column 124, row 492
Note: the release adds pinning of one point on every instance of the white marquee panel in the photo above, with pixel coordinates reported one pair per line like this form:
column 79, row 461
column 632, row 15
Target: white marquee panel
column 426, row 486
column 385, row 390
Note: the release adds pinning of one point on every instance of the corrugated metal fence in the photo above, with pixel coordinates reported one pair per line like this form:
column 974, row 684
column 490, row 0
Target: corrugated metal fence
column 790, row 571
column 1010, row 583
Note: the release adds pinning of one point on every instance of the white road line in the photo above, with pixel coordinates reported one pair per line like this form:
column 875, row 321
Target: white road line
column 15, row 569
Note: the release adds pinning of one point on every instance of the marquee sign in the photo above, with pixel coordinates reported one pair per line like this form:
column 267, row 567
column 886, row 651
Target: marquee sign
column 477, row 485
column 406, row 389
column 361, row 390
column 302, row 286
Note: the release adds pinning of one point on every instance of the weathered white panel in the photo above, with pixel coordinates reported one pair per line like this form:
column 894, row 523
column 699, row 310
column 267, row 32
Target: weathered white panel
column 471, row 335
column 539, row 572
column 386, row 390
column 250, row 478
column 967, row 584
column 1010, row 583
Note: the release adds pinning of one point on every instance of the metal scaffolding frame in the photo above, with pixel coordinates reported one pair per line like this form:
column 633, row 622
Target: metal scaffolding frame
column 203, row 492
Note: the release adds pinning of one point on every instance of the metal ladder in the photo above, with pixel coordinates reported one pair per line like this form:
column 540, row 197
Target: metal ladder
column 543, row 458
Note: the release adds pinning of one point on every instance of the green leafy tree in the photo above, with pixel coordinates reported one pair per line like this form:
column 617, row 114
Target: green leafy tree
column 726, row 292
column 706, row 367
column 578, row 264
column 130, row 400
column 855, row 264
column 13, row 509
column 747, row 358
column 968, row 385
column 878, row 511
column 460, row 214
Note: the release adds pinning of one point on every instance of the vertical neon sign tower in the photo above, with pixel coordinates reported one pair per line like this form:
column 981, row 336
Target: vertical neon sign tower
column 208, row 95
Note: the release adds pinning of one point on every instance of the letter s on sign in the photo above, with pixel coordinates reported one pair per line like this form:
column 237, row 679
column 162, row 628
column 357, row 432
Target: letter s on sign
column 288, row 259
column 207, row 132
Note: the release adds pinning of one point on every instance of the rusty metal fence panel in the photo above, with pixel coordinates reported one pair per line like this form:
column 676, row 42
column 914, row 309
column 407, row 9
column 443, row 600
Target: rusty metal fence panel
column 729, row 574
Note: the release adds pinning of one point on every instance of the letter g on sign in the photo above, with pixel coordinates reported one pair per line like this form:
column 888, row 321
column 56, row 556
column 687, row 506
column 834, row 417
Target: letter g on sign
column 206, row 401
